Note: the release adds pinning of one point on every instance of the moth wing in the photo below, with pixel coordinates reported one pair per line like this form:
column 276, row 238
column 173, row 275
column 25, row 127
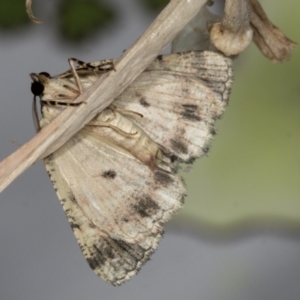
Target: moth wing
column 115, row 204
column 180, row 96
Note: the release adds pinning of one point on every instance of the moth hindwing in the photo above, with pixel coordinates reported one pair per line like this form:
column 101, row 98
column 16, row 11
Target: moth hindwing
column 117, row 177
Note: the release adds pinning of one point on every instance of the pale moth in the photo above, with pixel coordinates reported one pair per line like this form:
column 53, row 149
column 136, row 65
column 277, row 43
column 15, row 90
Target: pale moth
column 117, row 177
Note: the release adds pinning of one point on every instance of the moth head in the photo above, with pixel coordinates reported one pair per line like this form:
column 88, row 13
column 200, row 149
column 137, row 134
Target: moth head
column 39, row 82
column 37, row 89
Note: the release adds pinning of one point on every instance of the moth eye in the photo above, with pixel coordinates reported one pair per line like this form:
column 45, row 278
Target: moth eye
column 45, row 74
column 37, row 88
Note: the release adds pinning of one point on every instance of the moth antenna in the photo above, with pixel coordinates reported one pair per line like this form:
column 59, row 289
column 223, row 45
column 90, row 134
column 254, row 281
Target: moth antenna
column 35, row 115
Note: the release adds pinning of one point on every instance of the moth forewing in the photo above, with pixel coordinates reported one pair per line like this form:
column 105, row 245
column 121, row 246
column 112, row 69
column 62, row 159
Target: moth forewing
column 117, row 178
column 180, row 99
column 117, row 207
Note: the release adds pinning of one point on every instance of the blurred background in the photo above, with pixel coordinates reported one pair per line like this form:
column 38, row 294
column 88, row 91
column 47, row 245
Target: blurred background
column 238, row 235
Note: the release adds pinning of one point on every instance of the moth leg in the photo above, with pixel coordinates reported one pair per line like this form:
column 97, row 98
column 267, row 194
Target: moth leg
column 84, row 68
column 106, row 124
column 66, row 102
column 122, row 110
column 74, row 73
column 114, row 108
column 106, row 66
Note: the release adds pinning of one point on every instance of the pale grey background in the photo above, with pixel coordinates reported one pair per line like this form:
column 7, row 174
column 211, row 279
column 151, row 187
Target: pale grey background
column 39, row 256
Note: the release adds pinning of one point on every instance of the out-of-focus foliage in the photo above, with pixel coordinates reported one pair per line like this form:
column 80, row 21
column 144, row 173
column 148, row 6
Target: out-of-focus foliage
column 156, row 5
column 12, row 14
column 78, row 18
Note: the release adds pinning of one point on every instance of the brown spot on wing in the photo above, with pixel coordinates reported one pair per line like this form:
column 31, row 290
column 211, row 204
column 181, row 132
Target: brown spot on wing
column 178, row 146
column 205, row 149
column 109, row 174
column 212, row 131
column 91, row 225
column 132, row 249
column 74, row 226
column 97, row 259
column 146, row 207
column 190, row 112
column 108, row 252
column 159, row 57
column 163, row 178
column 143, row 102
column 72, row 198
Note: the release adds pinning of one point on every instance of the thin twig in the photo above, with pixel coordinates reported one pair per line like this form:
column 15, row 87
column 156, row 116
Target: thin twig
column 268, row 38
column 161, row 32
column 30, row 13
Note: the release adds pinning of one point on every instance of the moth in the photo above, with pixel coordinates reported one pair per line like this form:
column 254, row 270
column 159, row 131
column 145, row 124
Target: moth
column 117, row 177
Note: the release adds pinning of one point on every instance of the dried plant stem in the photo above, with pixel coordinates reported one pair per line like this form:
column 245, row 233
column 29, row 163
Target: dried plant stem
column 267, row 37
column 161, row 32
column 233, row 34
